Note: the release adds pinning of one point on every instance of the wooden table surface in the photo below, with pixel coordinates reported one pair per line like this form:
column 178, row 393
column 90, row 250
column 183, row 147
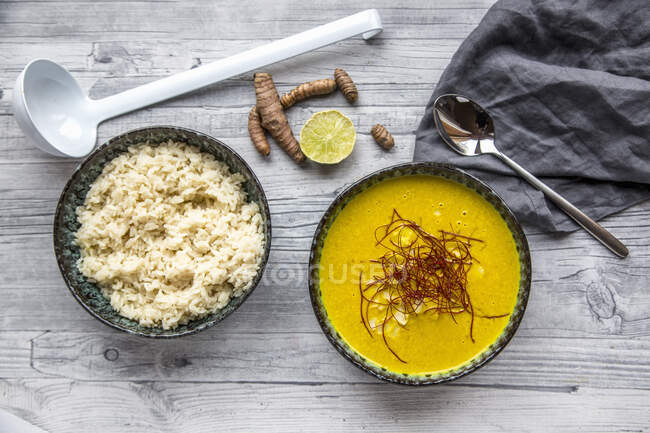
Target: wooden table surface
column 579, row 362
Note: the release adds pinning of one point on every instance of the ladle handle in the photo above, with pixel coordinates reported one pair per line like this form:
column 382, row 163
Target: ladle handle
column 366, row 23
column 595, row 229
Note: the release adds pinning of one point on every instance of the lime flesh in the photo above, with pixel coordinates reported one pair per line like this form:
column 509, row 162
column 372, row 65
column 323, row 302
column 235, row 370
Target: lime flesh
column 328, row 137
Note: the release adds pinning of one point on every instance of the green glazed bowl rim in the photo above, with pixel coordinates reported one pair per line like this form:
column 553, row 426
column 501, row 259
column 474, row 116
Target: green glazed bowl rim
column 213, row 318
column 449, row 172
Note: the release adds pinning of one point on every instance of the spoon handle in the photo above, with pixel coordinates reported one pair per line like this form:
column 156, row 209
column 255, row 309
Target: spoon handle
column 366, row 23
column 595, row 229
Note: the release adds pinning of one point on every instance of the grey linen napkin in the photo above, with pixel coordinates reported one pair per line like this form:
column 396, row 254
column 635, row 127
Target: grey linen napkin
column 568, row 85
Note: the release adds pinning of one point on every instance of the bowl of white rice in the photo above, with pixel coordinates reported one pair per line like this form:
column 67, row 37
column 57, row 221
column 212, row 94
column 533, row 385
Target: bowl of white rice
column 162, row 232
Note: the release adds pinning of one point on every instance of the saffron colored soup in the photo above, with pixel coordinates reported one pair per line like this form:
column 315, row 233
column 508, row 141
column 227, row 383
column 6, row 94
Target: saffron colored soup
column 419, row 274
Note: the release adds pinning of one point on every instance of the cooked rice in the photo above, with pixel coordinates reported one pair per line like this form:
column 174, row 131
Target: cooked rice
column 167, row 233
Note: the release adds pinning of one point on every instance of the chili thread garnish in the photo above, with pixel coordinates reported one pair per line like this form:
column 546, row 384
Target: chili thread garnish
column 420, row 273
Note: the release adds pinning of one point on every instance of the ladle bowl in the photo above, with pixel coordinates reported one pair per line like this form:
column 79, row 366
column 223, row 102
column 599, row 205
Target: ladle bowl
column 53, row 111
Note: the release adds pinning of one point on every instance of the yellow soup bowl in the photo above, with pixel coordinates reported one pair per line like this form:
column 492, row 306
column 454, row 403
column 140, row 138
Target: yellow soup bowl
column 427, row 345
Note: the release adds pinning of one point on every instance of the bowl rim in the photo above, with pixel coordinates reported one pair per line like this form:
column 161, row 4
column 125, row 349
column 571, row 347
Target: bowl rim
column 385, row 374
column 240, row 299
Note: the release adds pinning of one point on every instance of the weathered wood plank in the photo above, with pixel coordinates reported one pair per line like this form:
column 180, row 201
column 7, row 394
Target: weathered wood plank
column 98, row 55
column 96, row 21
column 70, row 406
column 107, row 68
column 386, row 61
column 15, row 354
column 307, row 357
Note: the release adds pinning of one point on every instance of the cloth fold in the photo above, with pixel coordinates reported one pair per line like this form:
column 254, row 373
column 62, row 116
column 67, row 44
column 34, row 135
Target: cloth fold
column 568, row 86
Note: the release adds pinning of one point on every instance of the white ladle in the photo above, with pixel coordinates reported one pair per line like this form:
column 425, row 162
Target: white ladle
column 59, row 118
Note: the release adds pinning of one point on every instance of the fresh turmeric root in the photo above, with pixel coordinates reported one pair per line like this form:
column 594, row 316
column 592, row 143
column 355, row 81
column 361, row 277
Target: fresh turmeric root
column 272, row 115
column 382, row 136
column 258, row 136
column 307, row 90
column 346, row 85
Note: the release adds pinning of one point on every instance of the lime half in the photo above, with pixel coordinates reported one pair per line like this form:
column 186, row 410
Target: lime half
column 328, row 137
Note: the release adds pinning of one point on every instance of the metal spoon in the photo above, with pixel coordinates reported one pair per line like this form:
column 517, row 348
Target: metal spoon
column 468, row 129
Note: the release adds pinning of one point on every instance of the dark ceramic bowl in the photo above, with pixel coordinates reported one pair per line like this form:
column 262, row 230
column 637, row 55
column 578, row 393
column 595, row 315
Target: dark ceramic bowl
column 65, row 225
column 430, row 169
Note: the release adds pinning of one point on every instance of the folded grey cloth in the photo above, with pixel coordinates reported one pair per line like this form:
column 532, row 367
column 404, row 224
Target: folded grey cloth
column 568, row 86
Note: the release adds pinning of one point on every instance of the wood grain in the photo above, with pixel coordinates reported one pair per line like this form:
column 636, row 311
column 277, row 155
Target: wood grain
column 308, row 357
column 67, row 405
column 577, row 363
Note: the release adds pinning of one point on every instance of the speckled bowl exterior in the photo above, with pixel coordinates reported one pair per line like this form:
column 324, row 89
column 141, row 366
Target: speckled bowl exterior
column 429, row 169
column 66, row 225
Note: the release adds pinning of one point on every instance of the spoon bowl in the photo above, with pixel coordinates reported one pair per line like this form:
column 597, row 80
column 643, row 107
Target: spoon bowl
column 468, row 129
column 464, row 125
column 53, row 111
